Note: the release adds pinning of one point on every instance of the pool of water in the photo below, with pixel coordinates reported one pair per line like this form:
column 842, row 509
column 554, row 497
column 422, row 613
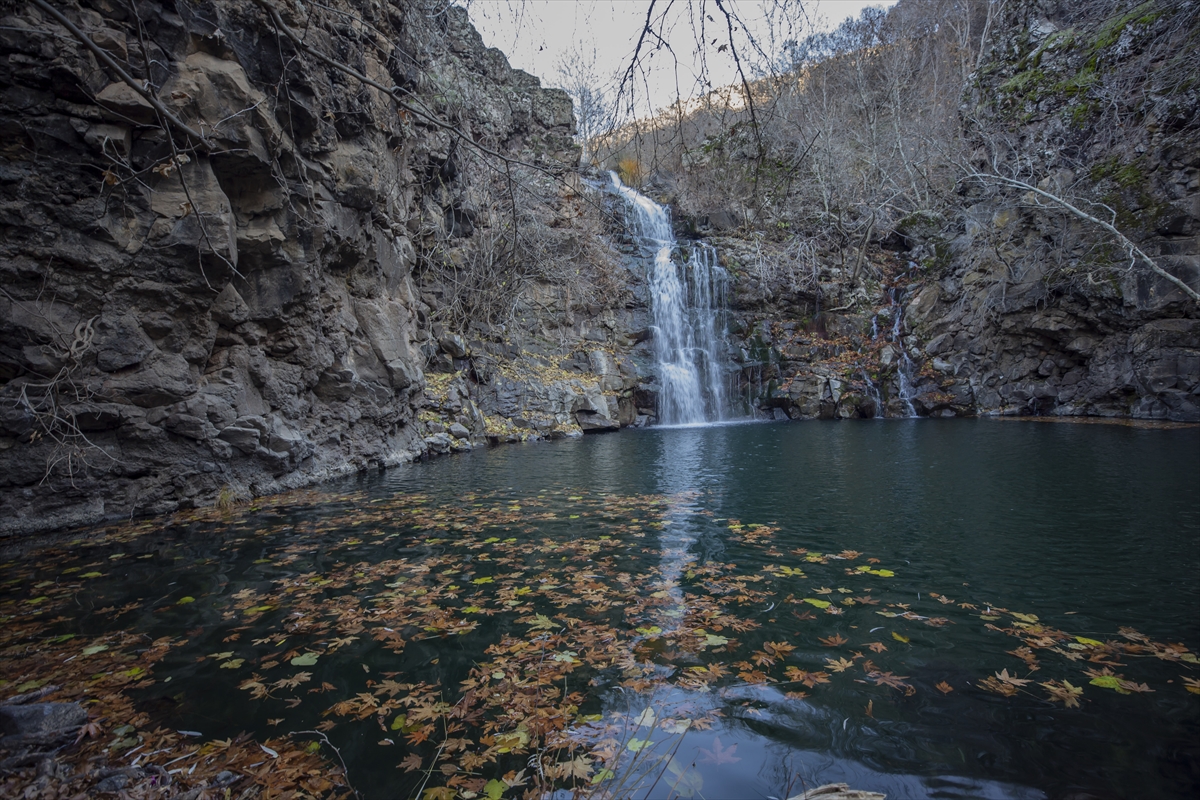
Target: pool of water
column 972, row 608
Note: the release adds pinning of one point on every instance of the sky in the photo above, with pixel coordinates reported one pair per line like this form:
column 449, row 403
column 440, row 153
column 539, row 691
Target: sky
column 540, row 35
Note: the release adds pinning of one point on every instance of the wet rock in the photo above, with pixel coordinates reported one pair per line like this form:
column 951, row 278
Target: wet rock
column 39, row 723
column 113, row 783
column 837, row 791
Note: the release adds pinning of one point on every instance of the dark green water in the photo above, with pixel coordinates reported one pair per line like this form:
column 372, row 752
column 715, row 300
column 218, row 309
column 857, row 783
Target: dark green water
column 1091, row 528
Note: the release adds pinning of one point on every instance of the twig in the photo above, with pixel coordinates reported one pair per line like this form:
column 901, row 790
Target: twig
column 325, row 740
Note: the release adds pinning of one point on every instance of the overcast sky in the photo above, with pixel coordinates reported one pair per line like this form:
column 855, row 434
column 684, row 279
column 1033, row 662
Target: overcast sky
column 537, row 35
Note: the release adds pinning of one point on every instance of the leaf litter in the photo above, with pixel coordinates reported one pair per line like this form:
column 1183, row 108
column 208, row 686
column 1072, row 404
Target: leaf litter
column 549, row 618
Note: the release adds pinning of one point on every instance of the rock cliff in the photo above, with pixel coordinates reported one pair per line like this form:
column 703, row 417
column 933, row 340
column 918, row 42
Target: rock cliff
column 998, row 298
column 232, row 253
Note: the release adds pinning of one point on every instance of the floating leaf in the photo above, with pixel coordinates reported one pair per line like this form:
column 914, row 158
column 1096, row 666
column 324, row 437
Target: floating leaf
column 900, row 638
column 96, row 648
column 675, row 726
column 812, row 601
column 638, row 745
column 646, row 719
column 514, row 740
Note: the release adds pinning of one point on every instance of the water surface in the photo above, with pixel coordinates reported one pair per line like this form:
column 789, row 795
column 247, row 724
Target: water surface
column 734, row 611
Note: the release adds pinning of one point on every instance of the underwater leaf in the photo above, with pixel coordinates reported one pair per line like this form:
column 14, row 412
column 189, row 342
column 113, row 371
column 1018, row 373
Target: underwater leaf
column 718, row 755
column 183, row 601
column 96, row 648
column 603, row 775
column 305, row 660
column 637, row 745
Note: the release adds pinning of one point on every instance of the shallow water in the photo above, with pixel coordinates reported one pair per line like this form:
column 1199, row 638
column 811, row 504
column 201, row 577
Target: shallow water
column 412, row 575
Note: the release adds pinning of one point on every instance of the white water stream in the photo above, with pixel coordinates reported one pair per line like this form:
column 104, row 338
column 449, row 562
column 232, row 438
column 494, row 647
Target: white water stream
column 687, row 298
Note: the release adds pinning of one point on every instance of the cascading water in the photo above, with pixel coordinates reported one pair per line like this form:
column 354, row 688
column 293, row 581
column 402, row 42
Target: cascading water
column 687, row 298
column 904, row 367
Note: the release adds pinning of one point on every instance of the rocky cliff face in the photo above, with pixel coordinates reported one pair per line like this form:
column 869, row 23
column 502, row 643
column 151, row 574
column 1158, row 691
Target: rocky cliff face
column 186, row 321
column 1038, row 310
column 1000, row 300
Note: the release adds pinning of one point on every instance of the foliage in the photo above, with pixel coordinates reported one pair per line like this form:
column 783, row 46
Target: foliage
column 549, row 621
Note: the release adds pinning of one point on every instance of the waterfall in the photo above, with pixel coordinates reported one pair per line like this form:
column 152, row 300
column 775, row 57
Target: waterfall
column 687, row 299
column 904, row 366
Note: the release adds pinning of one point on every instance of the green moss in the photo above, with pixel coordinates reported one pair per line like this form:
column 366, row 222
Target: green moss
column 1127, row 176
column 938, row 263
column 1023, row 83
column 1110, row 32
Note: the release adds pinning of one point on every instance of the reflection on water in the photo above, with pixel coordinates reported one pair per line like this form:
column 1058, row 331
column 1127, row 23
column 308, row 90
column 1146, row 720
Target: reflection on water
column 893, row 605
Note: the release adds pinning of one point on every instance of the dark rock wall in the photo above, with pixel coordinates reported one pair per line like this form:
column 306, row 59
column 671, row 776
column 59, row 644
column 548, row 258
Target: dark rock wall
column 1009, row 304
column 1039, row 311
column 185, row 325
